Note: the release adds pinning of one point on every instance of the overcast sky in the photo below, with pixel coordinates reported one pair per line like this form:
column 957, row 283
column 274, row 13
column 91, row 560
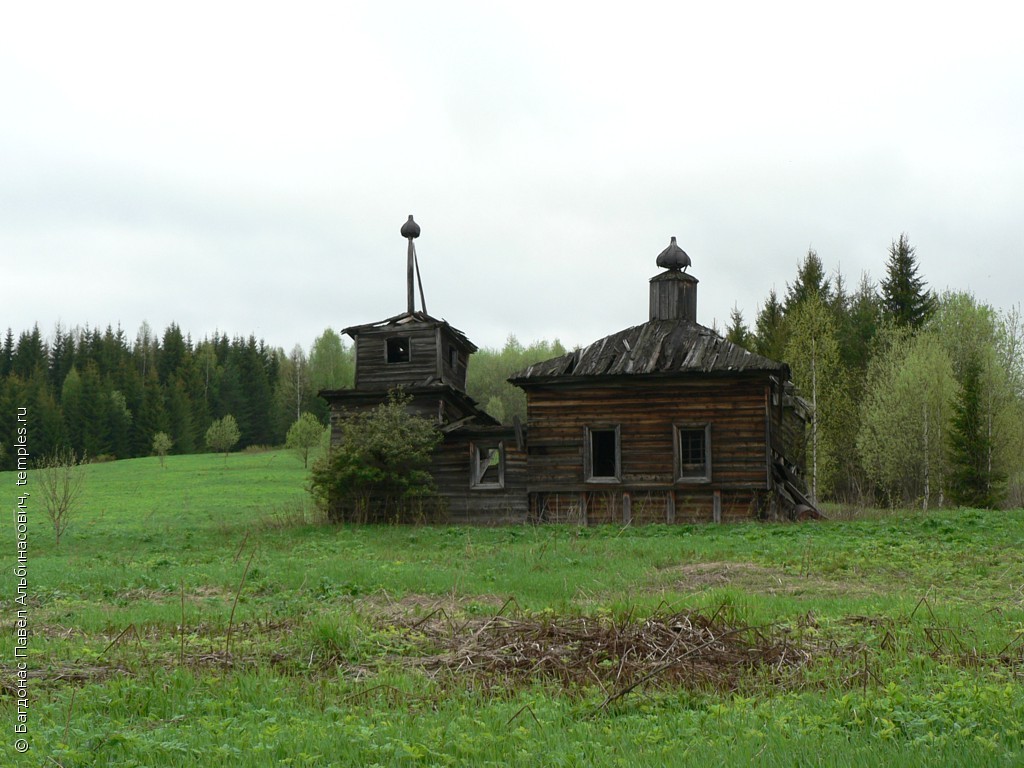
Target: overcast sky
column 247, row 166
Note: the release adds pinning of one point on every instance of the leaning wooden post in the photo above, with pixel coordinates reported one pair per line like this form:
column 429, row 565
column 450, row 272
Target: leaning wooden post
column 410, row 231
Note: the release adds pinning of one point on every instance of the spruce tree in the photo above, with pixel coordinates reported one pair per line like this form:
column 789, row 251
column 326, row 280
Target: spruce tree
column 173, row 354
column 112, row 352
column 904, row 296
column 7, row 354
column 73, row 407
column 810, row 281
column 770, row 333
column 47, row 420
column 96, row 416
column 10, row 398
column 179, row 416
column 62, row 355
column 861, row 325
column 119, row 419
column 30, row 355
column 256, row 394
column 737, row 332
column 973, row 482
column 151, row 416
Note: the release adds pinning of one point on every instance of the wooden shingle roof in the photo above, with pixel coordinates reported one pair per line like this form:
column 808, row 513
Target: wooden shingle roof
column 662, row 347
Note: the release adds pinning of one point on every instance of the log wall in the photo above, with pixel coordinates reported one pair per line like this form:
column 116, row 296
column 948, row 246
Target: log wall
column 452, row 471
column 430, row 358
column 373, row 371
column 645, row 411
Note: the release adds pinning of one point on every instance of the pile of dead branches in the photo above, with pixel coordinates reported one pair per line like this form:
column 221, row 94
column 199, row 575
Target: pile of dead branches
column 681, row 650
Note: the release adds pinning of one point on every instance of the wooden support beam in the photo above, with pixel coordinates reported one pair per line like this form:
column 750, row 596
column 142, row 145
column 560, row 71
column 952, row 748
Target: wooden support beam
column 451, row 427
column 410, row 293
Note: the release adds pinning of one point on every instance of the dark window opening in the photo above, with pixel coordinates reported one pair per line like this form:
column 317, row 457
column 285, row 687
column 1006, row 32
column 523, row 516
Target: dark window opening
column 453, row 358
column 603, row 454
column 398, row 349
column 694, row 452
column 488, row 469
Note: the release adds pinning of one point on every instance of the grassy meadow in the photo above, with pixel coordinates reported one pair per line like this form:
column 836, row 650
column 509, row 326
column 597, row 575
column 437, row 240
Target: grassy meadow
column 201, row 614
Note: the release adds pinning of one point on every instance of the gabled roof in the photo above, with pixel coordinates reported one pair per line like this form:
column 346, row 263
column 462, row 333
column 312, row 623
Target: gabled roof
column 658, row 347
column 406, row 318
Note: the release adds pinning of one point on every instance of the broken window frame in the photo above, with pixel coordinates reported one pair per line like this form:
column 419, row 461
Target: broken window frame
column 589, row 457
column 478, row 470
column 395, row 353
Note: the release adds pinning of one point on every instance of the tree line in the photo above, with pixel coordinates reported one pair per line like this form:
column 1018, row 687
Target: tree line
column 105, row 396
column 915, row 398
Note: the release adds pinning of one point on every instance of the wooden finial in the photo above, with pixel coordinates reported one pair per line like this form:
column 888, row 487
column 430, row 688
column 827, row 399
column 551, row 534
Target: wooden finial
column 410, row 229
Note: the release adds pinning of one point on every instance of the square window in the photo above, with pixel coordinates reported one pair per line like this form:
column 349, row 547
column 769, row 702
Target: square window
column 488, row 469
column 398, row 349
column 693, row 453
column 602, row 455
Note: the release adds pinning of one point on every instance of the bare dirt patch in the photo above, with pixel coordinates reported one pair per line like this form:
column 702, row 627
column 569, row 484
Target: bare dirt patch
column 752, row 577
column 415, row 606
column 146, row 595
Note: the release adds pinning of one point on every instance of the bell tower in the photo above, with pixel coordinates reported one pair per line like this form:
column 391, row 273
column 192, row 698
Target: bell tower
column 412, row 349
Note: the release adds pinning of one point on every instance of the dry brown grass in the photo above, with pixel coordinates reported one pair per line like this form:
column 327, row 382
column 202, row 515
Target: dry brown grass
column 687, row 649
column 754, row 578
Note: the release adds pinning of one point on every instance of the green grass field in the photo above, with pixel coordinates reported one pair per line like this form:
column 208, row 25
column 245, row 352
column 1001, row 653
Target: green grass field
column 202, row 615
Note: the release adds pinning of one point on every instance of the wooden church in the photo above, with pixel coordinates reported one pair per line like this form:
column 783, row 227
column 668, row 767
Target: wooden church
column 664, row 422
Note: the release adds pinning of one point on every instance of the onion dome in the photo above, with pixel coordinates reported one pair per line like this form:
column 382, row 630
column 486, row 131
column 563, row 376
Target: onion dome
column 673, row 257
column 412, row 230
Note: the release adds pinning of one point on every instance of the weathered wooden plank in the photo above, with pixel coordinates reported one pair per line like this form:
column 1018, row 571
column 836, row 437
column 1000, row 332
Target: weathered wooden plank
column 646, row 411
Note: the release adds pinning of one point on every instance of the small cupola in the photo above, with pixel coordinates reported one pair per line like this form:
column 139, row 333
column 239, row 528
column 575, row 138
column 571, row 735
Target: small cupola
column 674, row 292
